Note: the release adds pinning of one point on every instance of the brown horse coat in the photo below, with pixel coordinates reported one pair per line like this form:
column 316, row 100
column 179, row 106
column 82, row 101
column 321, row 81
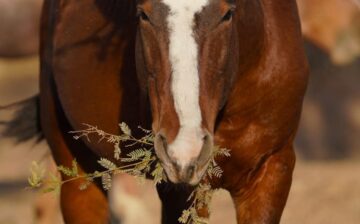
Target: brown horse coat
column 88, row 75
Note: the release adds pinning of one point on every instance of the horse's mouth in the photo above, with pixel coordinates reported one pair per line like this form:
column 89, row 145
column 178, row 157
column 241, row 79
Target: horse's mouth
column 192, row 177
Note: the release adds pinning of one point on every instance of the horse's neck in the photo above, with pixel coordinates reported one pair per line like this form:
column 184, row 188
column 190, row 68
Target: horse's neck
column 250, row 33
column 269, row 36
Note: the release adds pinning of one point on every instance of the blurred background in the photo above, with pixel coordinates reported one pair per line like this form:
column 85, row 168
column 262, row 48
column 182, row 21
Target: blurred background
column 326, row 187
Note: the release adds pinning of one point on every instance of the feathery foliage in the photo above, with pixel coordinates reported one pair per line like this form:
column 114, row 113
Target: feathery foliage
column 140, row 163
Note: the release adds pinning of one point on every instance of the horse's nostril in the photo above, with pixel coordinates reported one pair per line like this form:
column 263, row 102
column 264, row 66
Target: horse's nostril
column 176, row 166
column 164, row 142
column 161, row 146
column 206, row 149
column 205, row 138
column 191, row 171
column 161, row 142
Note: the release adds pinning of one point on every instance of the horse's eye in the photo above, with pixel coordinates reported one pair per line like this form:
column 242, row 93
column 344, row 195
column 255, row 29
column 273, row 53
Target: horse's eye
column 143, row 16
column 227, row 16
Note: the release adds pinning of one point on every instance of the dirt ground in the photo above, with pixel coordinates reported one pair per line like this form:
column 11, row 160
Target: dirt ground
column 322, row 192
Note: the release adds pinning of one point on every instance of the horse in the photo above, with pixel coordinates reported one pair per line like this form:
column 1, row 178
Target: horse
column 230, row 73
column 339, row 37
column 19, row 20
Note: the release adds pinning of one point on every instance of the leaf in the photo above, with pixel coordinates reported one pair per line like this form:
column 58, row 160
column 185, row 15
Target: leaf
column 215, row 171
column 65, row 170
column 75, row 171
column 70, row 172
column 88, row 180
column 125, row 128
column 115, row 139
column 158, row 174
column 56, row 189
column 222, row 152
column 84, row 185
column 36, row 175
column 106, row 181
column 53, row 184
column 95, row 174
column 107, row 164
column 150, row 138
column 137, row 155
column 200, row 198
column 117, row 151
column 185, row 216
column 142, row 166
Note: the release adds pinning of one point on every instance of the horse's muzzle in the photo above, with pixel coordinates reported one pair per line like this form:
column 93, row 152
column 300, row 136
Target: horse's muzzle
column 177, row 171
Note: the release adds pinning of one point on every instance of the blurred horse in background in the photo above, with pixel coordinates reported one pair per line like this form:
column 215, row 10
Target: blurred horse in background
column 330, row 123
column 334, row 26
column 19, row 48
column 19, row 27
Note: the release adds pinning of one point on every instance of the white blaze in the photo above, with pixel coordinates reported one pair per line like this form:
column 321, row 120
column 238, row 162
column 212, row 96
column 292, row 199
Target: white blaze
column 185, row 83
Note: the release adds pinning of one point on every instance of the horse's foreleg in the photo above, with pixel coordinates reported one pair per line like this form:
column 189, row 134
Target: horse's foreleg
column 263, row 201
column 78, row 207
column 174, row 200
column 87, row 206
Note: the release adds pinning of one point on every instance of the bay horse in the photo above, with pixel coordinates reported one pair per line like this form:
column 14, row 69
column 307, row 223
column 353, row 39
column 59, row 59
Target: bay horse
column 198, row 73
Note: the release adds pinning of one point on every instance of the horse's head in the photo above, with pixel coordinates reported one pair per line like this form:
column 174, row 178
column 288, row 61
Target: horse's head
column 186, row 58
